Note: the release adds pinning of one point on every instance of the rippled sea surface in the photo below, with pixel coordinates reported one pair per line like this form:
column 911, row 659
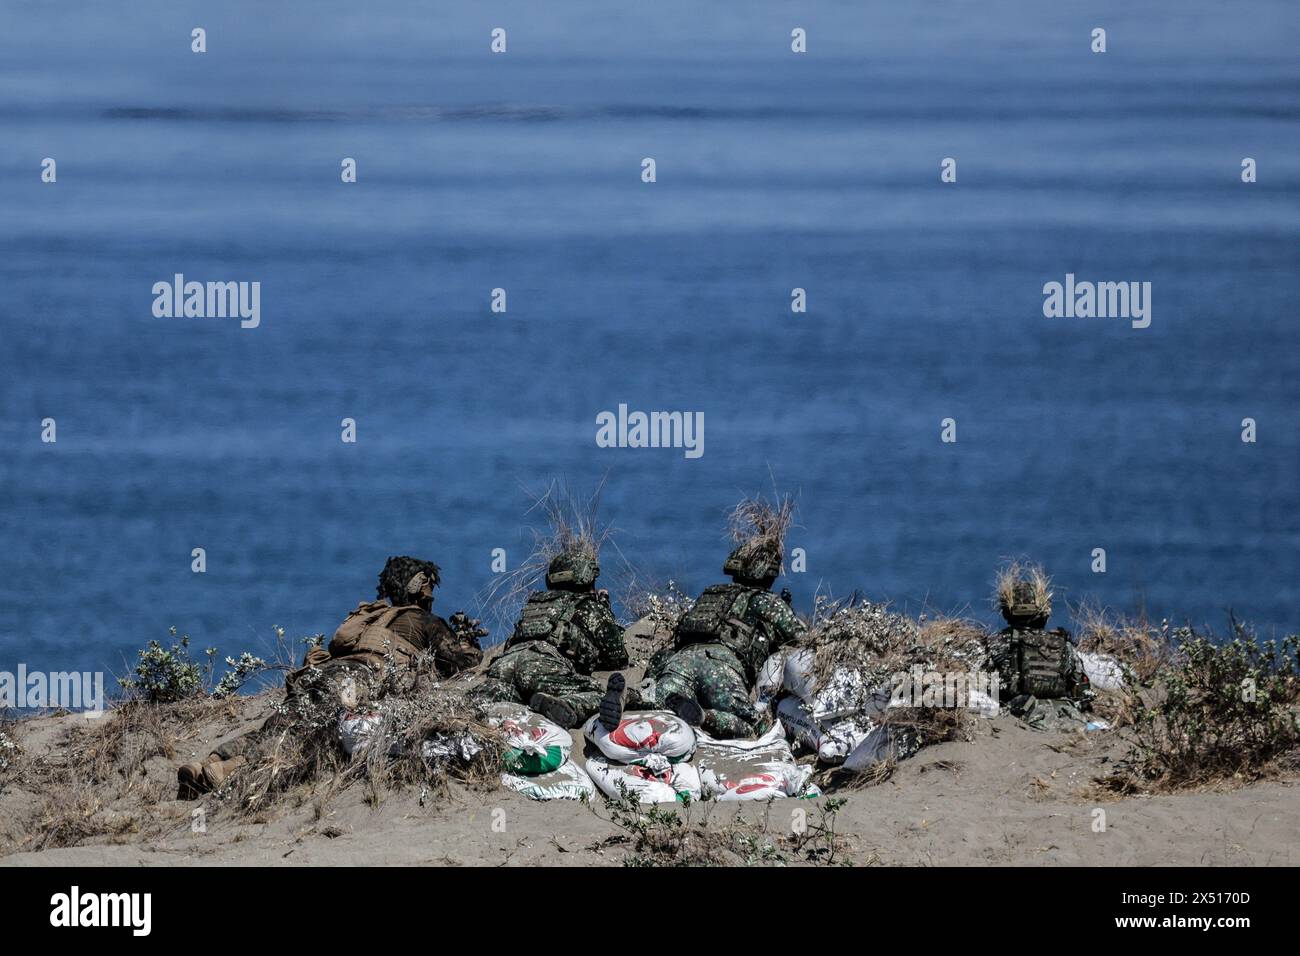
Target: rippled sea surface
column 522, row 171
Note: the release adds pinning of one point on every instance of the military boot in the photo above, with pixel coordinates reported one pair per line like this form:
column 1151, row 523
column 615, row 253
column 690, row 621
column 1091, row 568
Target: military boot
column 685, row 708
column 556, row 709
column 611, row 705
column 200, row 777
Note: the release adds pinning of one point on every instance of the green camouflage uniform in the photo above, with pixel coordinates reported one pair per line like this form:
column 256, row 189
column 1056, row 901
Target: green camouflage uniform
column 562, row 636
column 1054, row 678
column 1057, row 698
column 717, row 671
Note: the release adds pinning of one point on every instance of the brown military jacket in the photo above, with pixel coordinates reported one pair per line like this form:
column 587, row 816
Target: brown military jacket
column 408, row 631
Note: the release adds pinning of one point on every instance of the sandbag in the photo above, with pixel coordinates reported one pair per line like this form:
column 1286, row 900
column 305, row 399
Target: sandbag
column 357, row 731
column 884, row 743
column 654, row 780
column 761, row 769
column 1104, row 672
column 771, row 677
column 568, row 782
column 451, row 748
column 534, row 745
column 641, row 734
column 845, row 693
column 832, row 738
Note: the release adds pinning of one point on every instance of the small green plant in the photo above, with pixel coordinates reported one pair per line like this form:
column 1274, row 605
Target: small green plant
column 164, row 675
column 818, row 842
column 671, row 836
column 9, row 753
column 242, row 670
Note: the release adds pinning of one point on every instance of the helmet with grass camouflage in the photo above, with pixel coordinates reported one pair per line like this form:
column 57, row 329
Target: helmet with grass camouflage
column 572, row 571
column 754, row 564
column 1026, row 603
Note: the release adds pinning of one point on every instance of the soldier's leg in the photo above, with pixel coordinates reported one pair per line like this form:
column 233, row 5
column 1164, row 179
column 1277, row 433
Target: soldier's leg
column 728, row 711
column 554, row 689
column 500, row 683
column 311, row 703
column 670, row 673
column 677, row 685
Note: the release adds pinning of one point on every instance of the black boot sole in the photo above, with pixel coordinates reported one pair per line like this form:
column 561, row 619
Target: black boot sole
column 611, row 705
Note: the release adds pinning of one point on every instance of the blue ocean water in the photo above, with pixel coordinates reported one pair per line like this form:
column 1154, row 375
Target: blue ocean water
column 522, row 171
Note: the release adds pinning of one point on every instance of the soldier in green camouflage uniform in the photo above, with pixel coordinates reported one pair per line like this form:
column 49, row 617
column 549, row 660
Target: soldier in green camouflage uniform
column 1040, row 675
column 719, row 645
column 563, row 634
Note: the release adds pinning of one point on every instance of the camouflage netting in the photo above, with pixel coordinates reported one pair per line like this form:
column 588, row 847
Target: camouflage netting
column 872, row 645
column 757, row 521
column 397, row 572
column 1024, row 589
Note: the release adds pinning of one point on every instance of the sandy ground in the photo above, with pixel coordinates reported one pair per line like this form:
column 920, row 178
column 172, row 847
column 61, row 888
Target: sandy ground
column 1010, row 796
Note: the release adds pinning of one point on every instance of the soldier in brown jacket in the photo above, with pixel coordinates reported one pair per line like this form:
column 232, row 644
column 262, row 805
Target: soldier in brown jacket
column 378, row 648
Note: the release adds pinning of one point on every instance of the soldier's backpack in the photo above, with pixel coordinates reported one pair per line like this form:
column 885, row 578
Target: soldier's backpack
column 365, row 634
column 1042, row 663
column 718, row 616
column 548, row 616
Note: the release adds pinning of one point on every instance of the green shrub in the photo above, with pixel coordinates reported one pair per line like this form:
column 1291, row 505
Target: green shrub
column 164, row 675
column 1219, row 711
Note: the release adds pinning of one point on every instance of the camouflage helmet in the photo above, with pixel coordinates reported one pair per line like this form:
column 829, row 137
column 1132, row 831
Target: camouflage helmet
column 572, row 571
column 1026, row 603
column 752, row 563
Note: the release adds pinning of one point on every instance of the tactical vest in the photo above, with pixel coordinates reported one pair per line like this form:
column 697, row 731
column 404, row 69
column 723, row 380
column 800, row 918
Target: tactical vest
column 549, row 616
column 718, row 617
column 1041, row 663
column 365, row 635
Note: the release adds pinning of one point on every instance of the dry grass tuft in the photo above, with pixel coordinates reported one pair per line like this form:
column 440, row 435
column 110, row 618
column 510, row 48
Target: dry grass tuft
column 95, row 782
column 570, row 524
column 761, row 523
column 1143, row 649
column 1022, row 572
column 687, row 835
column 306, row 761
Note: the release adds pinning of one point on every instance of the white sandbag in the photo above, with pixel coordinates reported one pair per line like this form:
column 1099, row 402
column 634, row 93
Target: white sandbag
column 654, row 780
column 761, row 769
column 846, row 692
column 451, row 748
column 1104, row 672
column 569, row 782
column 641, row 734
column 833, row 738
column 771, row 676
column 534, row 745
column 883, row 743
column 357, row 731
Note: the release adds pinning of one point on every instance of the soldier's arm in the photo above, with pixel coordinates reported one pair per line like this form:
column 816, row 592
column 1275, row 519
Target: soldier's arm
column 608, row 638
column 784, row 625
column 452, row 651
